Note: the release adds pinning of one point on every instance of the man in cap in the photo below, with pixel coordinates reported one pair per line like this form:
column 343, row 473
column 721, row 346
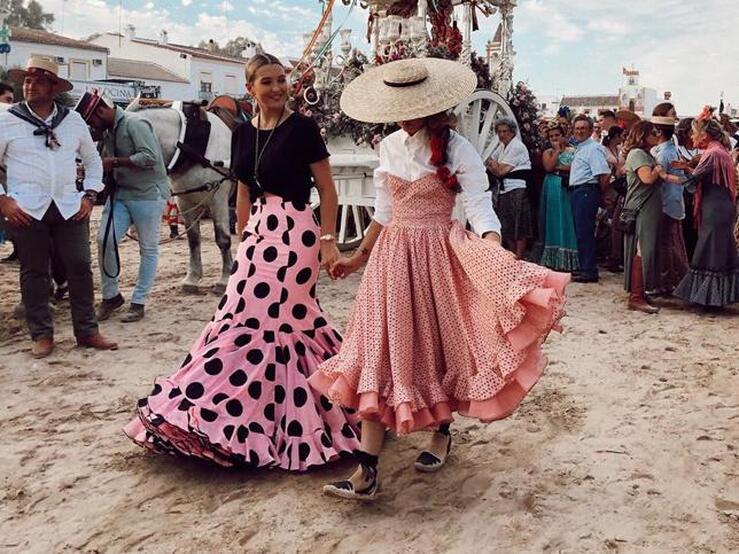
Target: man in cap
column 140, row 188
column 39, row 142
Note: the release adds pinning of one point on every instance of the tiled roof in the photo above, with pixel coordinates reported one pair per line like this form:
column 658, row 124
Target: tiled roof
column 21, row 34
column 195, row 52
column 144, row 71
column 584, row 101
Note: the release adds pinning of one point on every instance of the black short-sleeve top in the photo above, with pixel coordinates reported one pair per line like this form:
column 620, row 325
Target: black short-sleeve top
column 284, row 167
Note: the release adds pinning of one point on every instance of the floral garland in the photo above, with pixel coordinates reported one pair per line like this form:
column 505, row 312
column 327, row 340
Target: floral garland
column 523, row 104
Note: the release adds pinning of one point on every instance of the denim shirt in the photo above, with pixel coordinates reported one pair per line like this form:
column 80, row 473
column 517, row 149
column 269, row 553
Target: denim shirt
column 135, row 139
column 673, row 204
column 589, row 163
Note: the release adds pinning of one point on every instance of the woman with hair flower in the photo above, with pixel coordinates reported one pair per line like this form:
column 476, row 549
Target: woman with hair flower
column 444, row 320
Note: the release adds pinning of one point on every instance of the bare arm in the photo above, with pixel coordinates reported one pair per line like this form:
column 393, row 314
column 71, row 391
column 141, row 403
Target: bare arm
column 549, row 159
column 346, row 266
column 321, row 171
column 649, row 175
column 243, row 206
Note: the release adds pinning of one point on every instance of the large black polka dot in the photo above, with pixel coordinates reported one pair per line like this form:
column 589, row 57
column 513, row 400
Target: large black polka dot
column 261, row 290
column 213, row 367
column 303, row 276
column 234, row 408
column 299, row 311
column 175, row 392
column 242, row 340
column 255, row 427
column 219, row 397
column 210, row 353
column 255, row 390
column 280, row 355
column 237, row 378
column 279, row 394
column 241, row 286
column 235, row 267
column 269, row 412
column 294, row 429
column 270, row 254
column 286, row 328
column 292, row 259
column 254, row 357
column 228, row 431
column 223, row 301
column 253, row 458
column 194, row 390
column 326, row 440
column 256, row 227
column 253, row 210
column 329, row 340
column 284, row 295
column 313, row 291
column 185, row 405
column 337, row 335
column 281, row 274
column 208, row 415
column 242, row 433
column 250, row 252
column 252, row 323
column 286, row 238
column 310, row 333
column 300, row 348
column 269, row 337
column 252, row 270
column 187, row 360
column 142, row 402
column 319, row 322
column 308, row 238
column 326, row 403
column 156, row 390
column 283, row 422
column 300, row 397
column 290, row 223
column 240, row 306
column 303, row 451
column 347, row 431
column 270, row 371
column 272, row 222
column 274, row 310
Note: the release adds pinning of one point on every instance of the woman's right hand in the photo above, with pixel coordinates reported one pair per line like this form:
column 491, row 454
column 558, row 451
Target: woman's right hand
column 343, row 267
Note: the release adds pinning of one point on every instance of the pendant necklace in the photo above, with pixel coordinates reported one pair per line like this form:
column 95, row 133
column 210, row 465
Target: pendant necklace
column 257, row 153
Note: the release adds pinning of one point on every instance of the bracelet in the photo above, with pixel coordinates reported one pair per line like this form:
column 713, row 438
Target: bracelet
column 328, row 237
column 91, row 195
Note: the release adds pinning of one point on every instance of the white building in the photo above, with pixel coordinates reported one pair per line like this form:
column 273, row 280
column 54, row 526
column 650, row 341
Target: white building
column 590, row 104
column 150, row 79
column 632, row 96
column 547, row 105
column 208, row 73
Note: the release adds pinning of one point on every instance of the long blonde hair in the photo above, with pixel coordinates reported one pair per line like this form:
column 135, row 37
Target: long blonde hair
column 638, row 137
column 713, row 129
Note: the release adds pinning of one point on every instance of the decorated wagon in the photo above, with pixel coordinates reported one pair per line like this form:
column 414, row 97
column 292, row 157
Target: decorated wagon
column 398, row 29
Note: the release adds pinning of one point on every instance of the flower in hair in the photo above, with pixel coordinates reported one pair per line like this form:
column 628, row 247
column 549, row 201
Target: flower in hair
column 705, row 114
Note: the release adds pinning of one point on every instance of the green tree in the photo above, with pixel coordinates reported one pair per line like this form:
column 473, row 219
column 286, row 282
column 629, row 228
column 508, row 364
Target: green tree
column 31, row 15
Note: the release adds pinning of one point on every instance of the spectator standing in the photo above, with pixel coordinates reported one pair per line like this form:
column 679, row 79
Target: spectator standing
column 511, row 164
column 589, row 176
column 607, row 120
column 689, row 155
column 39, row 141
column 612, row 144
column 672, row 258
column 134, row 158
column 7, row 96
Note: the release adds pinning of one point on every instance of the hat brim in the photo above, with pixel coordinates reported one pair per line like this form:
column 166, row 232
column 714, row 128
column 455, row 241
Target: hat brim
column 60, row 85
column 368, row 99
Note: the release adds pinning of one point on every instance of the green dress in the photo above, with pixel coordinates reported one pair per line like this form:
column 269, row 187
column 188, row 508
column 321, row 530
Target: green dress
column 648, row 200
column 560, row 242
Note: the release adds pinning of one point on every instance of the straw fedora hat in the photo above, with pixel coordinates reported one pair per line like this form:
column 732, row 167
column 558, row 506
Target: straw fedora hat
column 47, row 67
column 663, row 121
column 407, row 89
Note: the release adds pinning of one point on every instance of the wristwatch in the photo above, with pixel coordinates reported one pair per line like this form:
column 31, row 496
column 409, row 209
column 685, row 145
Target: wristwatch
column 328, row 237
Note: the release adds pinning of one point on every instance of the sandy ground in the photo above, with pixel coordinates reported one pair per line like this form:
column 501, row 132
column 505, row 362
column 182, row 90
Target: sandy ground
column 628, row 444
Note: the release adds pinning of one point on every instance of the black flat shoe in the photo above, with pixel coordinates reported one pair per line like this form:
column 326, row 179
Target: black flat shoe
column 430, row 463
column 345, row 489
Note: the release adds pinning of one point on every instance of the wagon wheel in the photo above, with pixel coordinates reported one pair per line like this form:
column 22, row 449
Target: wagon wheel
column 477, row 115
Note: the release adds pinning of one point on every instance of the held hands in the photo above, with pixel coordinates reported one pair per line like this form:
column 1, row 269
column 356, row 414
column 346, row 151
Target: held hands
column 11, row 211
column 492, row 237
column 343, row 267
column 329, row 256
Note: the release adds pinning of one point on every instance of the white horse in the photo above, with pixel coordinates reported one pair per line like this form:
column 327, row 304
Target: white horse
column 166, row 122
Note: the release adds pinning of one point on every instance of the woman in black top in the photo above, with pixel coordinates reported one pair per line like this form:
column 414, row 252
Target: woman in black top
column 241, row 396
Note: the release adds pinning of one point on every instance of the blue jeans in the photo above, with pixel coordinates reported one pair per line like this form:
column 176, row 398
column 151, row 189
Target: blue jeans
column 585, row 200
column 145, row 215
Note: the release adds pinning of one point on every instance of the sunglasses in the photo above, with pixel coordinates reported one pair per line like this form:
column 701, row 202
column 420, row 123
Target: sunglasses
column 656, row 133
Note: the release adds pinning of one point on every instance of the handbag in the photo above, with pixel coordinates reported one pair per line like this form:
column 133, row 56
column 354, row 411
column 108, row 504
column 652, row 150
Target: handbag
column 626, row 222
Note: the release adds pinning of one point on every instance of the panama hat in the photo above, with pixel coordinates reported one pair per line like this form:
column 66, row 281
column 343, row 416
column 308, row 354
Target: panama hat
column 90, row 101
column 37, row 64
column 407, row 89
column 663, row 121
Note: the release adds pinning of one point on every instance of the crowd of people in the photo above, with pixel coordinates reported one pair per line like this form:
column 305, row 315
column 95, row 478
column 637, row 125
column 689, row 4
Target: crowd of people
column 654, row 197
column 270, row 382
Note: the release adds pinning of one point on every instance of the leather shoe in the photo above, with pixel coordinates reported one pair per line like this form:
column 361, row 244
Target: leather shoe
column 97, row 341
column 135, row 313
column 42, row 347
column 107, row 307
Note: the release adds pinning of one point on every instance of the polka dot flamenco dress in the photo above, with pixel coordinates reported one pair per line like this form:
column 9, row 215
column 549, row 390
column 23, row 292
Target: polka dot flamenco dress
column 444, row 321
column 241, row 395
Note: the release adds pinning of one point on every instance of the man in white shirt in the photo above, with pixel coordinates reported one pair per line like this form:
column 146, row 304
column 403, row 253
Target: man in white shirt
column 510, row 163
column 39, row 142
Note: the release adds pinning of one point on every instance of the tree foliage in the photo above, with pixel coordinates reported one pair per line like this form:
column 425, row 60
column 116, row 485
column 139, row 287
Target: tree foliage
column 30, row 15
column 233, row 47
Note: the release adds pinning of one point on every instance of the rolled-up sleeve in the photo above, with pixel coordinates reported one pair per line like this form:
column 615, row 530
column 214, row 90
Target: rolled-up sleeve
column 144, row 141
column 599, row 162
column 383, row 199
column 90, row 160
column 476, row 200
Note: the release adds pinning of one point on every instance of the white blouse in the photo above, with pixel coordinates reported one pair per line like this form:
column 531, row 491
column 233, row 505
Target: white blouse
column 408, row 157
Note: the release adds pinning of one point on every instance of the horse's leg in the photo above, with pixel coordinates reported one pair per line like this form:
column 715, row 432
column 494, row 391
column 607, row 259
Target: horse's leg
column 219, row 211
column 190, row 217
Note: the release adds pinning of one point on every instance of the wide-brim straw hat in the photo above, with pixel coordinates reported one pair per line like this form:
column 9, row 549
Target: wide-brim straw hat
column 407, row 89
column 47, row 67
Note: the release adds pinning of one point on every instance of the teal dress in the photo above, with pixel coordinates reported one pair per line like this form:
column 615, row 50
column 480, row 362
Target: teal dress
column 560, row 242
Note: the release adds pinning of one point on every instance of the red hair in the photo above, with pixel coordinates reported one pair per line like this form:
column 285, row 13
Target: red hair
column 440, row 129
